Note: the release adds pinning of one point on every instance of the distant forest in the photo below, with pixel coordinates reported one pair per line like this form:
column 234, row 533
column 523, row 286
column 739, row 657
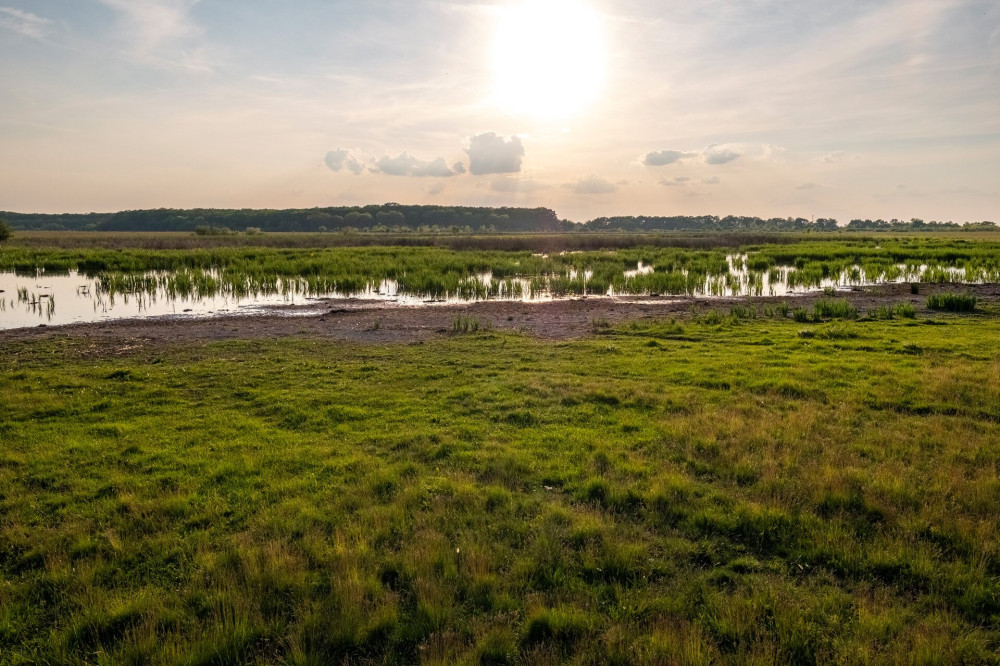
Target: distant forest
column 399, row 218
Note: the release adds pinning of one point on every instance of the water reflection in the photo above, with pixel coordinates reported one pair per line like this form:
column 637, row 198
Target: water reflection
column 29, row 300
column 75, row 298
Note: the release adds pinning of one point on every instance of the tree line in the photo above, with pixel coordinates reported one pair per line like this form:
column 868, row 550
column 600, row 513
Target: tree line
column 398, row 218
column 708, row 223
column 386, row 217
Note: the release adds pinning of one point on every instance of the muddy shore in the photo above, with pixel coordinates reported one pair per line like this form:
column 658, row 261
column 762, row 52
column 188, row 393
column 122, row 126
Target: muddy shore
column 378, row 322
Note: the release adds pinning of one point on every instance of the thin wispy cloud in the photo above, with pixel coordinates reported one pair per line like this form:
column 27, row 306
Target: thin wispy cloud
column 592, row 185
column 770, row 151
column 676, row 181
column 24, row 23
column 160, row 31
column 523, row 185
column 153, row 22
column 839, row 156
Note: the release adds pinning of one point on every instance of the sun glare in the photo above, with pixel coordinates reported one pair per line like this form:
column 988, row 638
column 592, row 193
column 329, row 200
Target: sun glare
column 549, row 57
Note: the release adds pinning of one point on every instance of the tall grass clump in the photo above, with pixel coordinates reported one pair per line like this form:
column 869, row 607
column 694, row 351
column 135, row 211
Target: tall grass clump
column 836, row 332
column 560, row 626
column 888, row 312
column 952, row 302
column 839, row 309
column 782, row 309
column 468, row 325
column 712, row 318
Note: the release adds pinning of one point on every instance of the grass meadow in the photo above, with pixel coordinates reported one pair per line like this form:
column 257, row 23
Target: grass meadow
column 722, row 489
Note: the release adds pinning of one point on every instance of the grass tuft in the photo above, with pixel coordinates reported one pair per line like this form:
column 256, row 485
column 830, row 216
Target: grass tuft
column 838, row 309
column 559, row 626
column 952, row 302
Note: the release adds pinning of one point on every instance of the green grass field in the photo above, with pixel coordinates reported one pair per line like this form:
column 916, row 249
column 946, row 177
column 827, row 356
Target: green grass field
column 712, row 490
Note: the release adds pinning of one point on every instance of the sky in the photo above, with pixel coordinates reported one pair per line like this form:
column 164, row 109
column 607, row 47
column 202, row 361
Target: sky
column 847, row 109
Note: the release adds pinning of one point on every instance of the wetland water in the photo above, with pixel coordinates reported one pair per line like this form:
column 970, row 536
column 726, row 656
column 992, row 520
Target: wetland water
column 74, row 298
column 67, row 298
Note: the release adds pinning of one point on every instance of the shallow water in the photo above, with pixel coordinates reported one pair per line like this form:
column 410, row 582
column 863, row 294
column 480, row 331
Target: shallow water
column 56, row 300
column 76, row 298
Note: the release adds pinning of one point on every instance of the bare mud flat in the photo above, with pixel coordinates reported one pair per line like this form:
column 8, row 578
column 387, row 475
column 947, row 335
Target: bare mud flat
column 378, row 322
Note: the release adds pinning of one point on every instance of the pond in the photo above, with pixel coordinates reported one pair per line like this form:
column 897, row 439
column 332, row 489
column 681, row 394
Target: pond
column 73, row 298
column 57, row 299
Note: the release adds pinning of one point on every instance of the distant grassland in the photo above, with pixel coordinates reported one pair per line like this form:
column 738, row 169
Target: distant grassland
column 537, row 242
column 717, row 490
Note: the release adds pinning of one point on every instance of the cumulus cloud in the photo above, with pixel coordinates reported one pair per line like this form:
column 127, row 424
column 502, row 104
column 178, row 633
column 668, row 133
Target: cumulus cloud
column 674, row 182
column 490, row 153
column 665, row 157
column 724, row 154
column 807, row 186
column 516, row 185
column 343, row 159
column 24, row 23
column 714, row 180
column 407, row 165
column 458, row 167
column 592, row 185
column 435, row 189
column 714, row 154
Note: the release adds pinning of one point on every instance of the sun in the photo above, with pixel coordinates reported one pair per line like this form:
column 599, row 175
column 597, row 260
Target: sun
column 549, row 58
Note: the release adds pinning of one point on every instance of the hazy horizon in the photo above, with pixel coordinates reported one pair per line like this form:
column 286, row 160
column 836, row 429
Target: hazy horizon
column 883, row 109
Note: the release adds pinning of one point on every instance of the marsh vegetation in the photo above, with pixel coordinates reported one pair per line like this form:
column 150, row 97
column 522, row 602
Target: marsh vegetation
column 156, row 280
